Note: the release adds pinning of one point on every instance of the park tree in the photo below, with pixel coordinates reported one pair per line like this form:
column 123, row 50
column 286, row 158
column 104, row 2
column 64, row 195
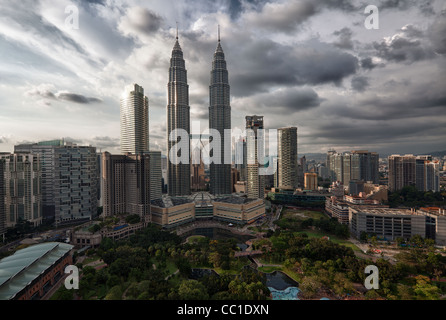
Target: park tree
column 424, row 289
column 192, row 290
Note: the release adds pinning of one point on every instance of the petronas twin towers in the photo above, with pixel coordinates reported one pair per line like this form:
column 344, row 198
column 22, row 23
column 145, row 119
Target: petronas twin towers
column 178, row 117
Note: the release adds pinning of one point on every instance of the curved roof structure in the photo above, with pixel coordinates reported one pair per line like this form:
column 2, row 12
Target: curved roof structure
column 20, row 269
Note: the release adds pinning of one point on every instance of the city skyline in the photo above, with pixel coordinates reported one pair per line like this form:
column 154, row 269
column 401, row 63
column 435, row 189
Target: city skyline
column 344, row 86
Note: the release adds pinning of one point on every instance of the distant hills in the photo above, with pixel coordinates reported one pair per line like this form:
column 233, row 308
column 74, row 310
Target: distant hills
column 320, row 157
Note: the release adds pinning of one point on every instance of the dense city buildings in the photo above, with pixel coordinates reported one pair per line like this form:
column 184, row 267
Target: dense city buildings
column 178, row 117
column 220, row 120
column 241, row 158
column 353, row 166
column 126, row 184
column 287, row 160
column 255, row 152
column 419, row 171
column 134, row 113
column 22, row 188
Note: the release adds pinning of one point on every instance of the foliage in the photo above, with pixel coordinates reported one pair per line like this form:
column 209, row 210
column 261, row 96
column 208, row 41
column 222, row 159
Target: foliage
column 410, row 196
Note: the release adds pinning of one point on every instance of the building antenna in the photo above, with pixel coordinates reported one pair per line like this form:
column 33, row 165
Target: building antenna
column 218, row 33
column 177, row 30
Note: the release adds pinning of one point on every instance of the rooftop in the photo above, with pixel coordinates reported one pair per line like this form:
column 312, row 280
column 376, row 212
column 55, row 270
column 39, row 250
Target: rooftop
column 20, row 269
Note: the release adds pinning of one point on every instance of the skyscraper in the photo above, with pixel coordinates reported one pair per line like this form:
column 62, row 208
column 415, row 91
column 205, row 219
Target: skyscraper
column 178, row 117
column 220, row 119
column 287, row 160
column 156, row 189
column 254, row 147
column 402, row 171
column 126, row 184
column 134, row 120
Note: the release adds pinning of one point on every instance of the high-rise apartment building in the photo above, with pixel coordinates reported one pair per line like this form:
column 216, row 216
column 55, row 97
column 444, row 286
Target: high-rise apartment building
column 353, row 166
column 255, row 152
column 75, row 183
column 287, row 159
column 134, row 113
column 220, row 120
column 126, row 184
column 241, row 158
column 419, row 171
column 22, row 188
column 46, row 151
column 178, row 117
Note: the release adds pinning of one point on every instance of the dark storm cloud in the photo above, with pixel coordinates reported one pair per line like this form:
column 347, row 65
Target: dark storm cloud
column 367, row 63
column 282, row 101
column 268, row 64
column 78, row 98
column 407, row 46
column 360, row 83
column 141, row 20
column 67, row 96
column 345, row 38
column 437, row 33
column 425, row 6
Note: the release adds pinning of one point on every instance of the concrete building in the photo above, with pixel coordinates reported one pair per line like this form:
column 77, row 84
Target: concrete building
column 22, row 188
column 178, row 117
column 220, row 120
column 75, row 183
column 46, row 150
column 386, row 223
column 126, row 185
column 402, row 171
column 255, row 152
column 287, row 159
column 171, row 212
column 310, row 181
column 435, row 224
column 134, row 113
column 156, row 190
column 2, row 201
column 30, row 273
column 241, row 158
column 238, row 210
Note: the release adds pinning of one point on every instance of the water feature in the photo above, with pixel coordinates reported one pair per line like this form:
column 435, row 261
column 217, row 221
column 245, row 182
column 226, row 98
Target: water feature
column 216, row 233
column 281, row 286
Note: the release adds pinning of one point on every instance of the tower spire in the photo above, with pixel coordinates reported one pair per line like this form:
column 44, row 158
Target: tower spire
column 177, row 30
column 218, row 33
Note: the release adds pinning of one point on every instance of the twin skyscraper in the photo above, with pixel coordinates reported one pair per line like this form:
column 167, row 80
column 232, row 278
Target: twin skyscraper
column 134, row 126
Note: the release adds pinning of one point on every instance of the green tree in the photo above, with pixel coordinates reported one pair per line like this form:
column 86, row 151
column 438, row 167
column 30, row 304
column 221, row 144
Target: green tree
column 115, row 293
column 424, row 290
column 192, row 290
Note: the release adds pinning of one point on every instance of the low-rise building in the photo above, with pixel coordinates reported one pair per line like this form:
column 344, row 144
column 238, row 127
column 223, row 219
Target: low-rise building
column 31, row 272
column 238, row 209
column 387, row 223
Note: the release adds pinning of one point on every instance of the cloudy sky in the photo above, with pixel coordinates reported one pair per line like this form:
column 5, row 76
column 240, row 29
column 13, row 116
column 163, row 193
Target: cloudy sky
column 306, row 63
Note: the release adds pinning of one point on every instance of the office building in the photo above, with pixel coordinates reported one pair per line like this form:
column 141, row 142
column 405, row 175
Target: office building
column 220, row 120
column 22, row 188
column 126, row 184
column 255, row 152
column 178, row 117
column 155, row 175
column 134, row 113
column 287, row 160
column 241, row 158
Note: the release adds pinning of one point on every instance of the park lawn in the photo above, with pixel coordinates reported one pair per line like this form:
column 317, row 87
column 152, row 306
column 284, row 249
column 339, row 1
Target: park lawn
column 344, row 242
column 90, row 259
column 303, row 214
column 269, row 269
column 170, row 266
